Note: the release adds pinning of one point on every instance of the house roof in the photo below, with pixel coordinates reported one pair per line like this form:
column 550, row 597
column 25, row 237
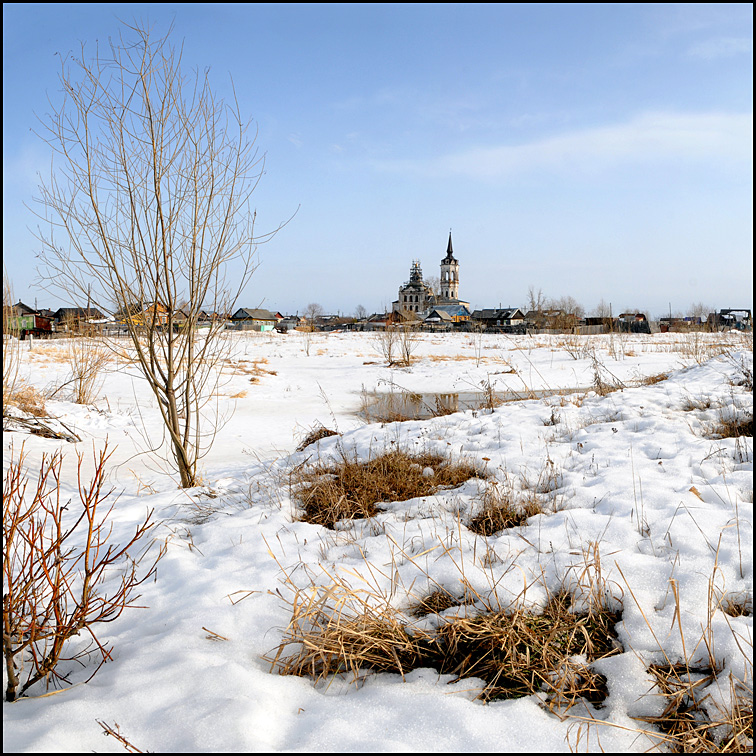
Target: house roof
column 78, row 312
column 246, row 313
column 498, row 313
column 451, row 309
column 23, row 309
column 438, row 314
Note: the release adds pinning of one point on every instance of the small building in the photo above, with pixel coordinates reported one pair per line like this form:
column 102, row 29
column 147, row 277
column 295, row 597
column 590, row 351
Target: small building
column 77, row 319
column 248, row 319
column 498, row 317
column 633, row 322
column 729, row 319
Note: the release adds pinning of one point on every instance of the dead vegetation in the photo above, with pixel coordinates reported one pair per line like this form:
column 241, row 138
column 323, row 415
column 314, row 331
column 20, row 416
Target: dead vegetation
column 731, row 424
column 503, row 509
column 315, row 434
column 515, row 652
column 57, row 592
column 518, row 653
column 686, row 723
column 350, row 489
column 25, row 398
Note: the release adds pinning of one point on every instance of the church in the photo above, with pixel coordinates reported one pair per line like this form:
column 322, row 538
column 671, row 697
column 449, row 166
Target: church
column 417, row 299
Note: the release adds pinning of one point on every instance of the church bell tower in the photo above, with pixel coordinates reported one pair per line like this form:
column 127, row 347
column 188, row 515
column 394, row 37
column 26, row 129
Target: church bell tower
column 449, row 274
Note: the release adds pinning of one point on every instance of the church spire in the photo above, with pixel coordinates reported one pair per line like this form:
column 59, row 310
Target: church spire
column 449, row 251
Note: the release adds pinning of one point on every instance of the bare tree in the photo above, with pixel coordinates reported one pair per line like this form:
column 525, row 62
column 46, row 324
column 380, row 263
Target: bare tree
column 700, row 313
column 11, row 344
column 312, row 314
column 360, row 313
column 536, row 300
column 434, row 284
column 149, row 212
column 602, row 310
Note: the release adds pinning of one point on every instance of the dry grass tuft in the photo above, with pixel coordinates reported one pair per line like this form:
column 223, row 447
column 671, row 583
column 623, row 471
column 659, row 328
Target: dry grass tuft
column 731, row 424
column 501, row 511
column 434, row 603
column 687, row 725
column 349, row 489
column 339, row 630
column 519, row 653
column 652, row 380
column 27, row 399
column 315, row 434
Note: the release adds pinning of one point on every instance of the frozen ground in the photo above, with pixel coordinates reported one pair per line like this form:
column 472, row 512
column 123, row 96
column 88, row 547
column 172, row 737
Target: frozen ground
column 636, row 476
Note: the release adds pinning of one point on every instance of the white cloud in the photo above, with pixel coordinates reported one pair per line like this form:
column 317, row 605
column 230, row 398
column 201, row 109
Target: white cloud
column 722, row 47
column 656, row 137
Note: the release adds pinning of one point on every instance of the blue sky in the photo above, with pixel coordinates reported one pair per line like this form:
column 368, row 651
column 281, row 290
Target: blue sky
column 593, row 151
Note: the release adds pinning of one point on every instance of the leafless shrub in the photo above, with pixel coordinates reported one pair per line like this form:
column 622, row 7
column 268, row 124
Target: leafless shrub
column 87, row 357
column 386, row 340
column 604, row 381
column 115, row 732
column 55, row 567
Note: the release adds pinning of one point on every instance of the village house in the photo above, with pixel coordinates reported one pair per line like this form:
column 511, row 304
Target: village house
column 501, row 317
column 77, row 319
column 255, row 319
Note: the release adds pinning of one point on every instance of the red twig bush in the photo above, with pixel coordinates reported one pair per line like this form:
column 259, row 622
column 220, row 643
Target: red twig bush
column 62, row 573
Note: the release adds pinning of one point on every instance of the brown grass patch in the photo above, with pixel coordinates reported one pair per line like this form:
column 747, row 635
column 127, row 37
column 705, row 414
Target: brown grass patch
column 27, row 399
column 335, row 630
column 731, row 424
column 519, row 653
column 435, row 602
column 652, row 380
column 687, row 725
column 349, row 489
column 501, row 511
column 315, row 434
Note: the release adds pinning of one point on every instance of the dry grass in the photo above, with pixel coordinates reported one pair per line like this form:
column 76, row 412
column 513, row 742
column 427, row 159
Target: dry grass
column 316, row 433
column 27, row 399
column 731, row 424
column 337, row 629
column 520, row 653
column 435, row 602
column 652, row 380
column 350, row 489
column 502, row 510
column 686, row 723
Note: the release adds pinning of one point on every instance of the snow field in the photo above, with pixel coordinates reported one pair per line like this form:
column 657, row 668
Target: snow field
column 643, row 506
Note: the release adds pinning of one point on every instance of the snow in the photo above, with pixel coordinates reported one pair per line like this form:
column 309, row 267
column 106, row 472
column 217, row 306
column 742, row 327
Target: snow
column 633, row 475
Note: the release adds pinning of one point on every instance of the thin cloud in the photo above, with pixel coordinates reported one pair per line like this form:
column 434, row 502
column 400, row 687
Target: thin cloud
column 656, row 137
column 721, row 47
